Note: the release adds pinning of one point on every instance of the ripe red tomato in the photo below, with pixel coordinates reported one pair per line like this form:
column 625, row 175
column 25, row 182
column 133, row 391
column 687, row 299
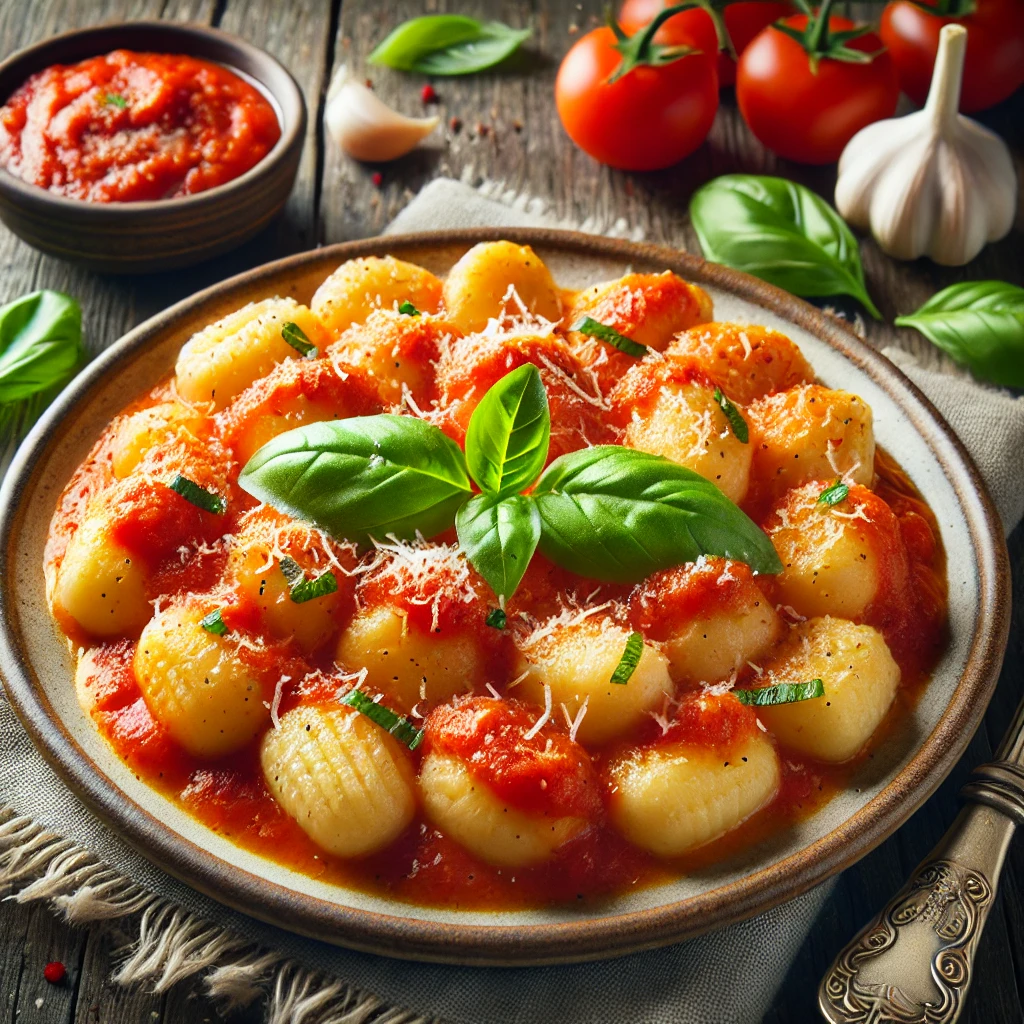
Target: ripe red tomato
column 742, row 20
column 993, row 66
column 649, row 118
column 805, row 114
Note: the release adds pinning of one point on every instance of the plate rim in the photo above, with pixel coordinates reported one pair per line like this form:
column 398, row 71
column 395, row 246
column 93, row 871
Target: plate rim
column 589, row 938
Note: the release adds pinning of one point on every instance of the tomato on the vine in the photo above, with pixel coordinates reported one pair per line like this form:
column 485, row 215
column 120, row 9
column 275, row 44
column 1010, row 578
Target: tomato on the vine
column 743, row 21
column 994, row 64
column 807, row 85
column 633, row 103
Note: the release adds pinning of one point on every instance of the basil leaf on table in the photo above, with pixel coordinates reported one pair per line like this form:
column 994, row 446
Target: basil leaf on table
column 364, row 476
column 616, row 514
column 40, row 350
column 780, row 232
column 499, row 537
column 447, row 44
column 981, row 325
column 509, row 432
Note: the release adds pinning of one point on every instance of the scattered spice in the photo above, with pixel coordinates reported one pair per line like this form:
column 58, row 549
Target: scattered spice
column 483, row 130
column 428, row 94
column 455, row 124
column 369, row 83
column 377, row 178
column 54, row 972
column 517, row 125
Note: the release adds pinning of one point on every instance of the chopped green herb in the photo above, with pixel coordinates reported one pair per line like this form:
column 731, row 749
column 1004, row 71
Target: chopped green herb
column 496, row 618
column 782, row 693
column 734, row 416
column 213, row 623
column 198, row 496
column 309, row 590
column 595, row 329
column 408, row 309
column 399, row 727
column 834, row 494
column 300, row 589
column 295, row 336
column 629, row 660
column 113, row 100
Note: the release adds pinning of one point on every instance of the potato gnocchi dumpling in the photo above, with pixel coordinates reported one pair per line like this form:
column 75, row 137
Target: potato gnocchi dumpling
column 359, row 704
column 291, row 395
column 811, row 433
column 838, row 559
column 649, row 309
column 860, row 679
column 512, row 816
column 571, row 667
column 498, row 279
column 675, row 797
column 710, row 618
column 399, row 352
column 345, row 781
column 669, row 408
column 197, row 685
column 222, row 360
column 745, row 361
column 360, row 286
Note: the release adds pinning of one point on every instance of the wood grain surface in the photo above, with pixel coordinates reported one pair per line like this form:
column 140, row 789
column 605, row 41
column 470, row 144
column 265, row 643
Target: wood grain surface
column 508, row 132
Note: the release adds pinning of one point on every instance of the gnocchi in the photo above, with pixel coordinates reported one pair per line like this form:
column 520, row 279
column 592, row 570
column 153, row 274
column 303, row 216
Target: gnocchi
column 365, row 708
column 342, row 778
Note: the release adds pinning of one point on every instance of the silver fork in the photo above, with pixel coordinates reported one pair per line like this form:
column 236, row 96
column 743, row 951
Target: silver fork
column 913, row 963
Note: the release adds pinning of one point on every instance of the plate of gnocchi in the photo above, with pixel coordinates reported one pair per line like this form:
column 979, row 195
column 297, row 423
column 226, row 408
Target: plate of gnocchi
column 498, row 597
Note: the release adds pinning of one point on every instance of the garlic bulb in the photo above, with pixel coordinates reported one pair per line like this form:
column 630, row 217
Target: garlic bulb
column 933, row 183
column 367, row 128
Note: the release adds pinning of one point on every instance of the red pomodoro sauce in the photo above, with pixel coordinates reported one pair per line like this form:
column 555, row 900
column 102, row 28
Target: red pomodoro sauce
column 132, row 126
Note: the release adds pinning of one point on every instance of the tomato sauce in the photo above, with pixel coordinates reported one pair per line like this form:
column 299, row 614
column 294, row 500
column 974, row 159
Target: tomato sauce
column 131, row 126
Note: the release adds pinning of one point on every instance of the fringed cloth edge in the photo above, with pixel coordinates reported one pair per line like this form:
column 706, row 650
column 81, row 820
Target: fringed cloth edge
column 169, row 945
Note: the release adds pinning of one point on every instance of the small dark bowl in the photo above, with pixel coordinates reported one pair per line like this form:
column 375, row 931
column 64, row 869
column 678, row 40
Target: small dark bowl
column 157, row 235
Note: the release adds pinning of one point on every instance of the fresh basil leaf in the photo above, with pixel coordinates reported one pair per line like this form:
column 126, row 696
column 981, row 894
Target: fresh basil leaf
column 398, row 725
column 737, row 423
column 834, row 494
column 362, row 477
column 406, row 308
column 496, row 618
column 616, row 514
column 509, row 432
column 499, row 537
column 447, row 44
column 208, row 501
column 631, row 655
column 295, row 336
column 213, row 623
column 112, row 99
column 603, row 332
column 40, row 344
column 780, row 232
column 981, row 325
column 782, row 693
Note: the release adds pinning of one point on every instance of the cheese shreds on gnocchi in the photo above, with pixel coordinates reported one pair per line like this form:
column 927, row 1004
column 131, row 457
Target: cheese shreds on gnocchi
column 379, row 706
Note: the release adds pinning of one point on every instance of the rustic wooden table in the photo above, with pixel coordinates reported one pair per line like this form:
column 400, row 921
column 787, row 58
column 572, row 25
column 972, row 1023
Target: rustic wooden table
column 510, row 134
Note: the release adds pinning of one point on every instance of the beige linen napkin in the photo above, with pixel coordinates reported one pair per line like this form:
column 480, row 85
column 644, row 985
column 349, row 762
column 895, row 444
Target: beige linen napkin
column 52, row 848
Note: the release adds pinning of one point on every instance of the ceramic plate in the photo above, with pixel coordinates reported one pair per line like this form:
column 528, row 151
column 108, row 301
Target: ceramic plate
column 887, row 789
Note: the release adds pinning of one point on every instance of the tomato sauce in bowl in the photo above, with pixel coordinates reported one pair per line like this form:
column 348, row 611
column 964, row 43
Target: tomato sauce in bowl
column 130, row 126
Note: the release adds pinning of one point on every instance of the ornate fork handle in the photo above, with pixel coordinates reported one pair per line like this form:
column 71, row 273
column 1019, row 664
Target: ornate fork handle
column 913, row 963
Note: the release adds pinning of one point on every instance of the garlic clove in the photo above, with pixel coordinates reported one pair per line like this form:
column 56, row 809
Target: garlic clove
column 365, row 127
column 933, row 183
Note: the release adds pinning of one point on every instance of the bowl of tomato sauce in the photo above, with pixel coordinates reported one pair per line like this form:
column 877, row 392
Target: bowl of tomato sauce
column 145, row 146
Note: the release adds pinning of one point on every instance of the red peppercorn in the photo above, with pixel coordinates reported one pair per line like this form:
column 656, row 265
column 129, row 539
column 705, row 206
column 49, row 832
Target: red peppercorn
column 54, row 972
column 427, row 94
column 377, row 178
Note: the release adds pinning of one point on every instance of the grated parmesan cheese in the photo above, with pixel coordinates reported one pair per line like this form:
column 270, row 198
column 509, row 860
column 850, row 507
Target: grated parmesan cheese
column 542, row 721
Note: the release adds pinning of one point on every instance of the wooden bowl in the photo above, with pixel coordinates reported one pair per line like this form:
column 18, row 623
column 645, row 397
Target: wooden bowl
column 133, row 238
column 904, row 770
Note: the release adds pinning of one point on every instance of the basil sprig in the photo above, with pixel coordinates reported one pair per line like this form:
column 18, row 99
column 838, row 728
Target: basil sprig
column 40, row 350
column 780, row 232
column 447, row 44
column 737, row 423
column 607, row 513
column 981, row 325
column 834, row 494
column 781, row 693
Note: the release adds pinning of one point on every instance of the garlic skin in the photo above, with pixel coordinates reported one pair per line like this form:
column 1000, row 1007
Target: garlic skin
column 933, row 183
column 367, row 128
